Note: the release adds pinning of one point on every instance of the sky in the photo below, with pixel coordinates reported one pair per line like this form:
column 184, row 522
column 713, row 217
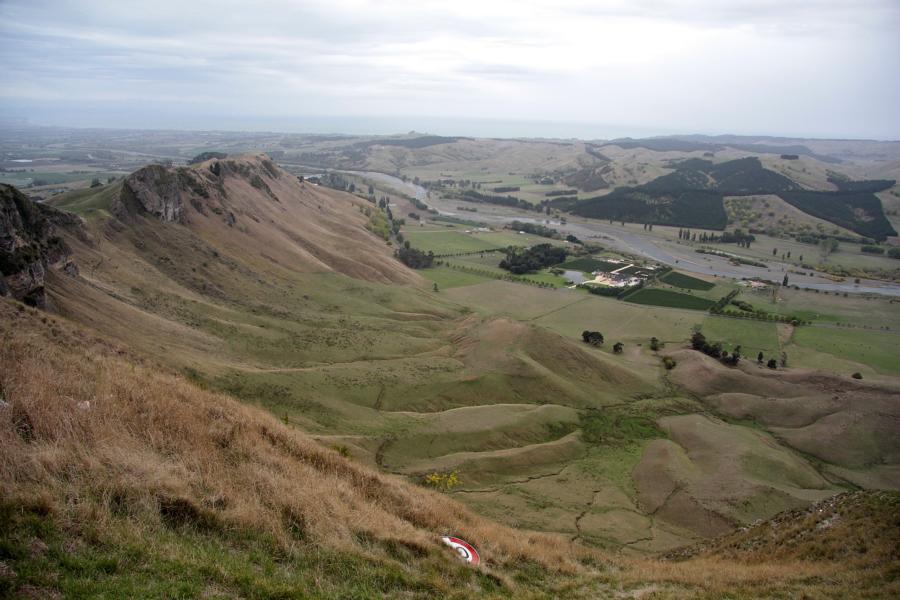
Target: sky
column 566, row 68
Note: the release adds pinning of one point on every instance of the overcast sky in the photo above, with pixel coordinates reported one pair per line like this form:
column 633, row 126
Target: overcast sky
column 823, row 68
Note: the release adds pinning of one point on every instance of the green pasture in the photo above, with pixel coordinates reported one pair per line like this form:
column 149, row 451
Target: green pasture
column 878, row 349
column 668, row 298
column 686, row 281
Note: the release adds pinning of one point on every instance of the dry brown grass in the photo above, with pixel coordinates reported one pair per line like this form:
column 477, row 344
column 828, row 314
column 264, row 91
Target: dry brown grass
column 158, row 449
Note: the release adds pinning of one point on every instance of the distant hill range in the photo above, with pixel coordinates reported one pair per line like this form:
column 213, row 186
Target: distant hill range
column 700, row 143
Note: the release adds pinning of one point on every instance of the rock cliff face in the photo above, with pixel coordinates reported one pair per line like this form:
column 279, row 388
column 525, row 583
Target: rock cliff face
column 30, row 245
column 153, row 189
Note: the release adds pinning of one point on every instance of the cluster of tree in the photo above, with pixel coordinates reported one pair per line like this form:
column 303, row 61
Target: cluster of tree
column 418, row 204
column 445, row 183
column 532, row 259
column 715, row 350
column 562, row 202
column 731, row 257
column 554, row 193
column 204, row 156
column 414, row 216
column 573, row 240
column 845, row 184
column 473, row 196
column 858, row 211
column 740, row 177
column 869, row 249
column 773, row 363
column 337, row 181
column 894, row 252
column 609, row 291
column 729, row 237
column 724, row 300
column 682, row 208
column 413, row 257
column 691, row 196
column 748, row 312
column 648, row 226
column 534, row 229
column 594, row 338
column 470, row 252
column 505, row 189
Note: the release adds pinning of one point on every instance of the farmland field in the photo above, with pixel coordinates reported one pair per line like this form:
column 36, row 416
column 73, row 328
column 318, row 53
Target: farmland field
column 686, row 281
column 752, row 336
column 659, row 297
column 590, row 264
column 441, row 242
column 878, row 349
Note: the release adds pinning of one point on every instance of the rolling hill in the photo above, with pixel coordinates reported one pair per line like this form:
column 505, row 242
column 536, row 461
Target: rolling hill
column 120, row 480
column 230, row 279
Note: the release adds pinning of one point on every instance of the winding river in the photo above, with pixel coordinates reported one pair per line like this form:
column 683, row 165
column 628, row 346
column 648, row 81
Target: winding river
column 685, row 259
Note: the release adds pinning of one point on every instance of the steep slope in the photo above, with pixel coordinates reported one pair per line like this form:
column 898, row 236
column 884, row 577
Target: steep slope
column 244, row 202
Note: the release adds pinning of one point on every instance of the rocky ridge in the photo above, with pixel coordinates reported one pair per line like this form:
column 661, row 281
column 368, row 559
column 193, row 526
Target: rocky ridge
column 30, row 244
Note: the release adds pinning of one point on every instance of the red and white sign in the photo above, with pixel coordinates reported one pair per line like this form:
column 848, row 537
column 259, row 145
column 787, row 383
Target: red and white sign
column 465, row 550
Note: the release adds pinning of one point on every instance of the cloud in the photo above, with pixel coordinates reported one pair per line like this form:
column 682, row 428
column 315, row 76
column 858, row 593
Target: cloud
column 773, row 67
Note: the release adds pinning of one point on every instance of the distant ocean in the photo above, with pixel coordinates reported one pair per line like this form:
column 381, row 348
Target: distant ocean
column 109, row 117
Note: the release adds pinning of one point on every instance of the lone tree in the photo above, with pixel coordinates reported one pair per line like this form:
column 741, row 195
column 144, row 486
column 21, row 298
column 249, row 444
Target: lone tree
column 594, row 338
column 785, row 281
column 827, row 246
column 772, row 364
column 617, row 347
column 654, row 344
column 759, row 358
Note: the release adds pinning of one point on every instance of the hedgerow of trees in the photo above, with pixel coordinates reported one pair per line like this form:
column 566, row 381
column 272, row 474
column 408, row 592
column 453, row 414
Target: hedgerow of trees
column 413, row 257
column 535, row 258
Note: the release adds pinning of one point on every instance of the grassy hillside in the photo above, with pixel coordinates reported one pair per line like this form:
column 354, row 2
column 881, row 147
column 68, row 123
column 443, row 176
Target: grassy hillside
column 119, row 480
column 284, row 301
